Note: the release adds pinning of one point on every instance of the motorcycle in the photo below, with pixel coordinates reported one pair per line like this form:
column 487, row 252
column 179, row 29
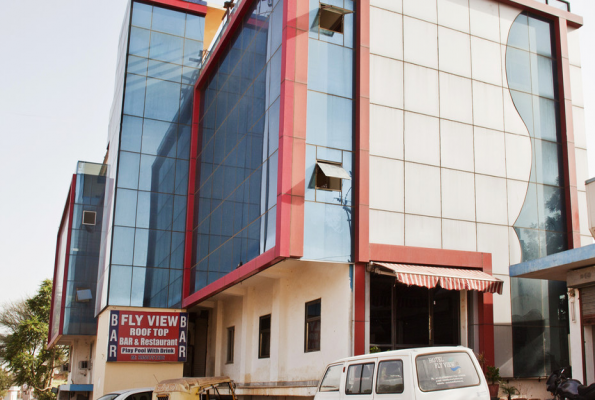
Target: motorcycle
column 563, row 387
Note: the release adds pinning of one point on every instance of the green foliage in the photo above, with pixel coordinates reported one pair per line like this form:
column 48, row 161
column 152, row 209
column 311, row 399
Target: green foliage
column 509, row 390
column 5, row 382
column 493, row 374
column 24, row 347
column 374, row 349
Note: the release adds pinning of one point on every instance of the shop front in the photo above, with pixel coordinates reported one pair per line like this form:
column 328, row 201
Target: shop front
column 420, row 306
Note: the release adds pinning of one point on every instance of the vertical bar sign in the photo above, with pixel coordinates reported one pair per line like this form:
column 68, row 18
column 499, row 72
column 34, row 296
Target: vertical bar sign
column 148, row 336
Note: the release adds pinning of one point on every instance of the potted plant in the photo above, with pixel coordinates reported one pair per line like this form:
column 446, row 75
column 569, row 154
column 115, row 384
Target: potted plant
column 509, row 390
column 493, row 377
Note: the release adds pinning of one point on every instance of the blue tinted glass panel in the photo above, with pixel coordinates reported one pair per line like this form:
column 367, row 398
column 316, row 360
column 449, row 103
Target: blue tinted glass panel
column 327, row 234
column 547, row 162
column 542, row 74
column 157, row 174
column 132, row 130
column 551, row 213
column 168, row 21
column 139, row 42
column 546, row 118
column 195, row 27
column 137, row 65
column 141, row 15
column 162, row 100
column 192, row 53
column 165, row 71
column 183, row 149
column 518, row 69
column 334, row 66
column 138, row 286
column 540, row 37
column 159, row 138
column 134, row 97
column 128, row 170
column 122, row 245
column 518, row 35
column 329, row 121
column 125, row 207
column 120, row 285
column 166, row 48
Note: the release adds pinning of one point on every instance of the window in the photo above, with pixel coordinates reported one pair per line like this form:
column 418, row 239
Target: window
column 332, row 379
column 390, row 377
column 329, row 175
column 264, row 336
column 89, row 217
column 359, row 379
column 331, row 18
column 312, row 339
column 444, row 371
column 231, row 331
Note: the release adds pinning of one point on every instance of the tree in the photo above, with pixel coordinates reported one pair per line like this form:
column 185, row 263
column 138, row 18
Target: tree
column 24, row 347
column 5, row 382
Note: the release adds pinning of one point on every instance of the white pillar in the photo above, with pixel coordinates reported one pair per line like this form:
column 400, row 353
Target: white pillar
column 575, row 339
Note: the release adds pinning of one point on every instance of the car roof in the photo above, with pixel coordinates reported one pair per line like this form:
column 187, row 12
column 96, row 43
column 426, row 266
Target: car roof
column 405, row 352
column 130, row 391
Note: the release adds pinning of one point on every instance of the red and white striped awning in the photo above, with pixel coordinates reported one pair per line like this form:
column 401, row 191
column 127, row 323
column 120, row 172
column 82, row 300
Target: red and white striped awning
column 448, row 278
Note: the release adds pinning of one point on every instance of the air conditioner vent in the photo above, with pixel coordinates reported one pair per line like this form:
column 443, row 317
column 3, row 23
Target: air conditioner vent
column 89, row 217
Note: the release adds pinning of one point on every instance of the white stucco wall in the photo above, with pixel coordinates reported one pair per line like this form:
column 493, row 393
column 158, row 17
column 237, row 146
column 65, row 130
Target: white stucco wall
column 283, row 291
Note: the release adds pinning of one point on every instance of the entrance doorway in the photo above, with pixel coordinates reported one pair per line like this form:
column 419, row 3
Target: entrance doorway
column 404, row 316
column 195, row 365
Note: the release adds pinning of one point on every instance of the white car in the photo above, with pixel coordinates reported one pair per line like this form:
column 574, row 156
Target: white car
column 432, row 373
column 129, row 394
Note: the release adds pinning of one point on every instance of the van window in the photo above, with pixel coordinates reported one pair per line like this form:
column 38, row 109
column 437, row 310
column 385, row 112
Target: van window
column 332, row 379
column 390, row 377
column 359, row 379
column 442, row 371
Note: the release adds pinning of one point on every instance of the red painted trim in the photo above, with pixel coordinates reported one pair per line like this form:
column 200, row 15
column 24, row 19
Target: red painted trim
column 567, row 131
column 359, row 309
column 427, row 256
column 68, row 207
column 361, row 172
column 193, row 165
column 362, row 132
column 252, row 267
column 178, row 5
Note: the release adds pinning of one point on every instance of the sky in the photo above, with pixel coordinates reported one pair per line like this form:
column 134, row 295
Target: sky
column 57, row 74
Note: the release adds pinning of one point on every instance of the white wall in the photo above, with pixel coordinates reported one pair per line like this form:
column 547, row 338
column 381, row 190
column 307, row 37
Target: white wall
column 283, row 291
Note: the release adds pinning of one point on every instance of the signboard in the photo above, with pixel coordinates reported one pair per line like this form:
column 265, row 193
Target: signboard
column 147, row 336
column 580, row 277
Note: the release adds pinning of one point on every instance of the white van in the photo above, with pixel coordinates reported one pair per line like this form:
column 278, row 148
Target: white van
column 437, row 373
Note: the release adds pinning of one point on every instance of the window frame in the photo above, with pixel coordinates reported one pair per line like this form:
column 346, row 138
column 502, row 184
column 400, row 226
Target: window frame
column 378, row 376
column 363, row 364
column 324, row 376
column 261, row 333
column 307, row 321
column 231, row 336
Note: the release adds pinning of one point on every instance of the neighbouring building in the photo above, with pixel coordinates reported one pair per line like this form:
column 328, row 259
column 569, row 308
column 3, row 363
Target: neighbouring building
column 327, row 178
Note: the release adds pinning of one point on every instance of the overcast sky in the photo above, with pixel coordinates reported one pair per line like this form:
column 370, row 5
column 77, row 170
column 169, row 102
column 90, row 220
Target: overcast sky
column 56, row 87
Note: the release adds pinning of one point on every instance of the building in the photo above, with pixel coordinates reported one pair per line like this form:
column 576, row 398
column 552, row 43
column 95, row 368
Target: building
column 329, row 177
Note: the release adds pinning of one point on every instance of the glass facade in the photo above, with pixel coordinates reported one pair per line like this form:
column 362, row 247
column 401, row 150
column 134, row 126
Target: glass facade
column 328, row 228
column 147, row 252
column 236, row 170
column 83, row 254
column 539, row 318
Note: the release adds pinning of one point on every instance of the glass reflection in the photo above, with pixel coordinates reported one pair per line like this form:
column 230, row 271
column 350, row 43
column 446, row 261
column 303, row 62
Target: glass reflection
column 236, row 170
column 151, row 201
